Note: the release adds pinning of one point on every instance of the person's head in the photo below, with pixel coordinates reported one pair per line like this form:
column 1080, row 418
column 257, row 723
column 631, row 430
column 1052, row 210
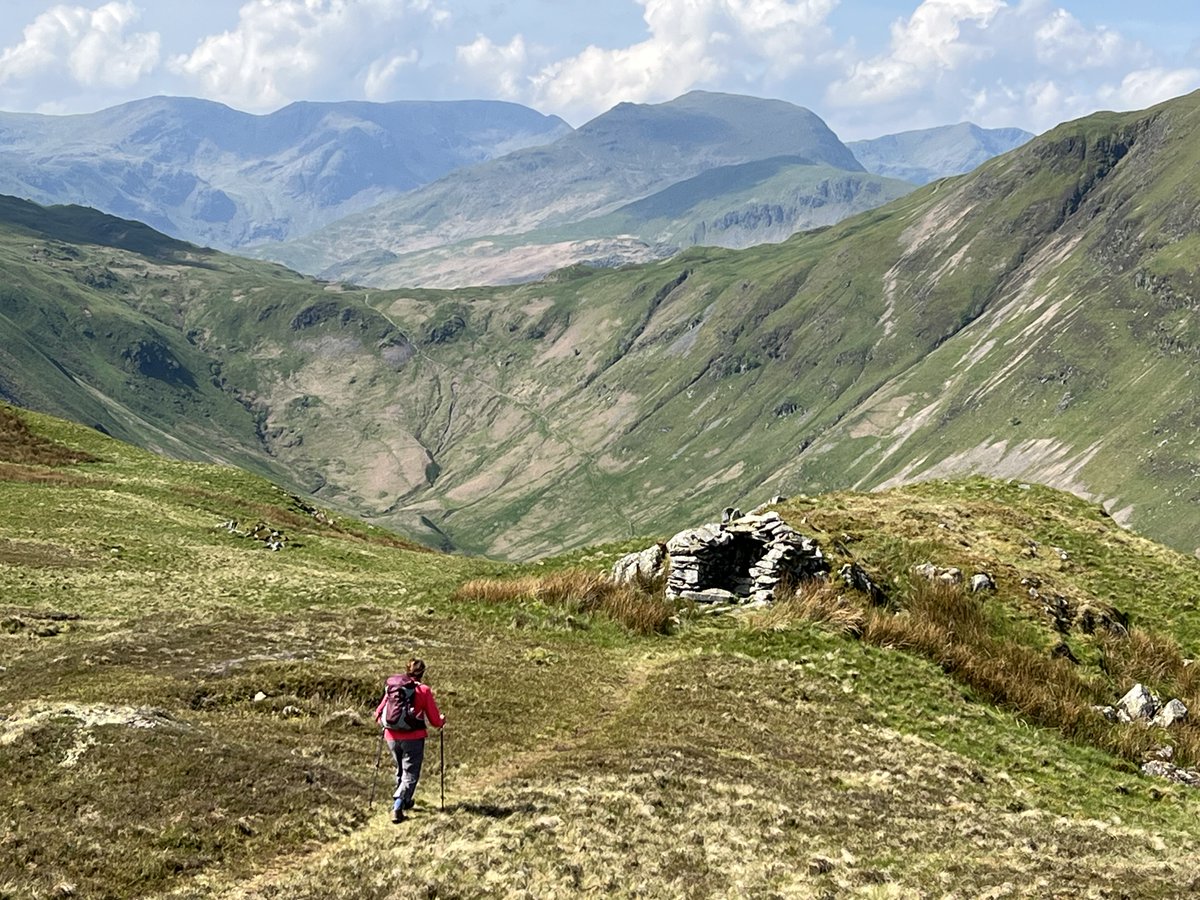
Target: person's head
column 416, row 668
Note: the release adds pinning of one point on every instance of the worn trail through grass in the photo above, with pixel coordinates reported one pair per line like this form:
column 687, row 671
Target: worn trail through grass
column 465, row 801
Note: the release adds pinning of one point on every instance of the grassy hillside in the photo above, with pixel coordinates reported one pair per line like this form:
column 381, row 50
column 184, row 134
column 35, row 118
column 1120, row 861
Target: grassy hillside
column 729, row 206
column 1032, row 320
column 766, row 755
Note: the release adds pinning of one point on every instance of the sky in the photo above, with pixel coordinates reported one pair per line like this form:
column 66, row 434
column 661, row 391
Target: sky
column 867, row 67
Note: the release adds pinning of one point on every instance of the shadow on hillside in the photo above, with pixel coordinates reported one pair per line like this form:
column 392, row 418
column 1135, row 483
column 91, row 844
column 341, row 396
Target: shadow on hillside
column 492, row 810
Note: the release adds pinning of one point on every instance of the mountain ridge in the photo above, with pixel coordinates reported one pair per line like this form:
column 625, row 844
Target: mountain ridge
column 629, row 152
column 211, row 174
column 1033, row 320
column 927, row 154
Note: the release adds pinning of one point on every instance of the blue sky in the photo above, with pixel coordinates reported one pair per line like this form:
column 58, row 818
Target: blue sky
column 868, row 67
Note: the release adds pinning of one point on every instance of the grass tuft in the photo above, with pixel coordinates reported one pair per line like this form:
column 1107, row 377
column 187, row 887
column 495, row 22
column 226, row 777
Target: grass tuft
column 640, row 606
column 21, row 446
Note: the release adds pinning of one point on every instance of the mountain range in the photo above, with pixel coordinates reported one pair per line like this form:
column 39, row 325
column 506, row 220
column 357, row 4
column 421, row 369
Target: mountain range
column 206, row 173
column 928, row 154
column 404, row 193
column 1034, row 319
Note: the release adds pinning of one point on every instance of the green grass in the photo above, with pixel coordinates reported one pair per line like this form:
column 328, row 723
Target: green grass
column 1031, row 319
column 734, row 756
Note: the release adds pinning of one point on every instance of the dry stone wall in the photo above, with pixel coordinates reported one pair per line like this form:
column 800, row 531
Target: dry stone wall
column 741, row 560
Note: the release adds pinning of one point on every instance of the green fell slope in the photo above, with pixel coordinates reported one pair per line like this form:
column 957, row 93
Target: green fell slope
column 186, row 713
column 1035, row 319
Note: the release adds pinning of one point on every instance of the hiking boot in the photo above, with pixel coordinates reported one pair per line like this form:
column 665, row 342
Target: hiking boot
column 398, row 816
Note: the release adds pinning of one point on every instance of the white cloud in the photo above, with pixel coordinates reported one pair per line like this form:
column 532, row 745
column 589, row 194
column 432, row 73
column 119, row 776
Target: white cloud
column 691, row 43
column 1063, row 41
column 1025, row 62
column 941, row 36
column 1146, row 87
column 505, row 64
column 283, row 50
column 91, row 44
column 382, row 75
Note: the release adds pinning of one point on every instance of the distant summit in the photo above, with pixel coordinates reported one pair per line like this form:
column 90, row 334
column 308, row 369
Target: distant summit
column 203, row 172
column 932, row 153
column 630, row 153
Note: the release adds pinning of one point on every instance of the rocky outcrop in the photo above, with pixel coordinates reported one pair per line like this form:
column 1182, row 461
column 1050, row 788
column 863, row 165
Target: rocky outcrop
column 741, row 560
column 1162, row 769
column 645, row 564
column 1140, row 705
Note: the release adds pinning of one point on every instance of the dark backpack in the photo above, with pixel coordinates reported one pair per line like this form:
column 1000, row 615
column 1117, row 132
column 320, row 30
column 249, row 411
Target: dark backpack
column 400, row 711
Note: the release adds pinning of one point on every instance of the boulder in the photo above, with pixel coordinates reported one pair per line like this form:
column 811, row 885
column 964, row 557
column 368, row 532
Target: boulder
column 982, row 581
column 1162, row 769
column 1171, row 714
column 711, row 595
column 856, row 578
column 945, row 574
column 647, row 564
column 1139, row 704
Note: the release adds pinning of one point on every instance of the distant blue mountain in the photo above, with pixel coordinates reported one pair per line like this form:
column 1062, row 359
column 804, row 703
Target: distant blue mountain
column 932, row 153
column 210, row 174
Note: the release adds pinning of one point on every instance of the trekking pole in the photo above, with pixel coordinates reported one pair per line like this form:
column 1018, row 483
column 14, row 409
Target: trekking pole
column 442, row 762
column 375, row 775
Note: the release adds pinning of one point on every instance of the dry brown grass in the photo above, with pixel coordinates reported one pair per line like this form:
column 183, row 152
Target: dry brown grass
column 640, row 607
column 950, row 627
column 21, row 446
column 813, row 601
column 1153, row 659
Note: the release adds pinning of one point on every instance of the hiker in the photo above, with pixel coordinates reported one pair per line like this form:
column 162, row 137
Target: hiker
column 406, row 707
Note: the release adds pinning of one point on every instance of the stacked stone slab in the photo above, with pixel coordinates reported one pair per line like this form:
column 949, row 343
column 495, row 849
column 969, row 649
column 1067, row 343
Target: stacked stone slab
column 742, row 560
column 697, row 560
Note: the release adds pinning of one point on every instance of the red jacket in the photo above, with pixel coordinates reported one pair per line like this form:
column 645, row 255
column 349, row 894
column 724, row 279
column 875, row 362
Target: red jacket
column 426, row 707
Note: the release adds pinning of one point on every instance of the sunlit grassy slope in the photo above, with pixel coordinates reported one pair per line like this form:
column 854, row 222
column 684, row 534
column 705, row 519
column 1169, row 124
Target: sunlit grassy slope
column 757, row 756
column 1035, row 319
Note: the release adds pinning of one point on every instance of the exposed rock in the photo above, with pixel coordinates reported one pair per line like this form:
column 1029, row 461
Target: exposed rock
column 1139, row 704
column 856, row 578
column 646, row 564
column 1162, row 769
column 1172, row 713
column 1063, row 651
column 1109, row 712
column 820, row 865
column 260, row 697
column 944, row 574
column 1093, row 617
column 272, row 538
column 1087, row 619
column 711, row 595
column 982, row 581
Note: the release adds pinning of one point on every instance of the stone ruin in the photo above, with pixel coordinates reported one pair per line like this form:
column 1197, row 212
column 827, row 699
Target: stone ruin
column 741, row 560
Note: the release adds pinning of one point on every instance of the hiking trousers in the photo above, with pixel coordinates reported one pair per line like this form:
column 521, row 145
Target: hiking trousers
column 408, row 756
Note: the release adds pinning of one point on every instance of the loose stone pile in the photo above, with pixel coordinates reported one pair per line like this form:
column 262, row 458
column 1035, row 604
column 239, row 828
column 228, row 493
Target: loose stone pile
column 1140, row 705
